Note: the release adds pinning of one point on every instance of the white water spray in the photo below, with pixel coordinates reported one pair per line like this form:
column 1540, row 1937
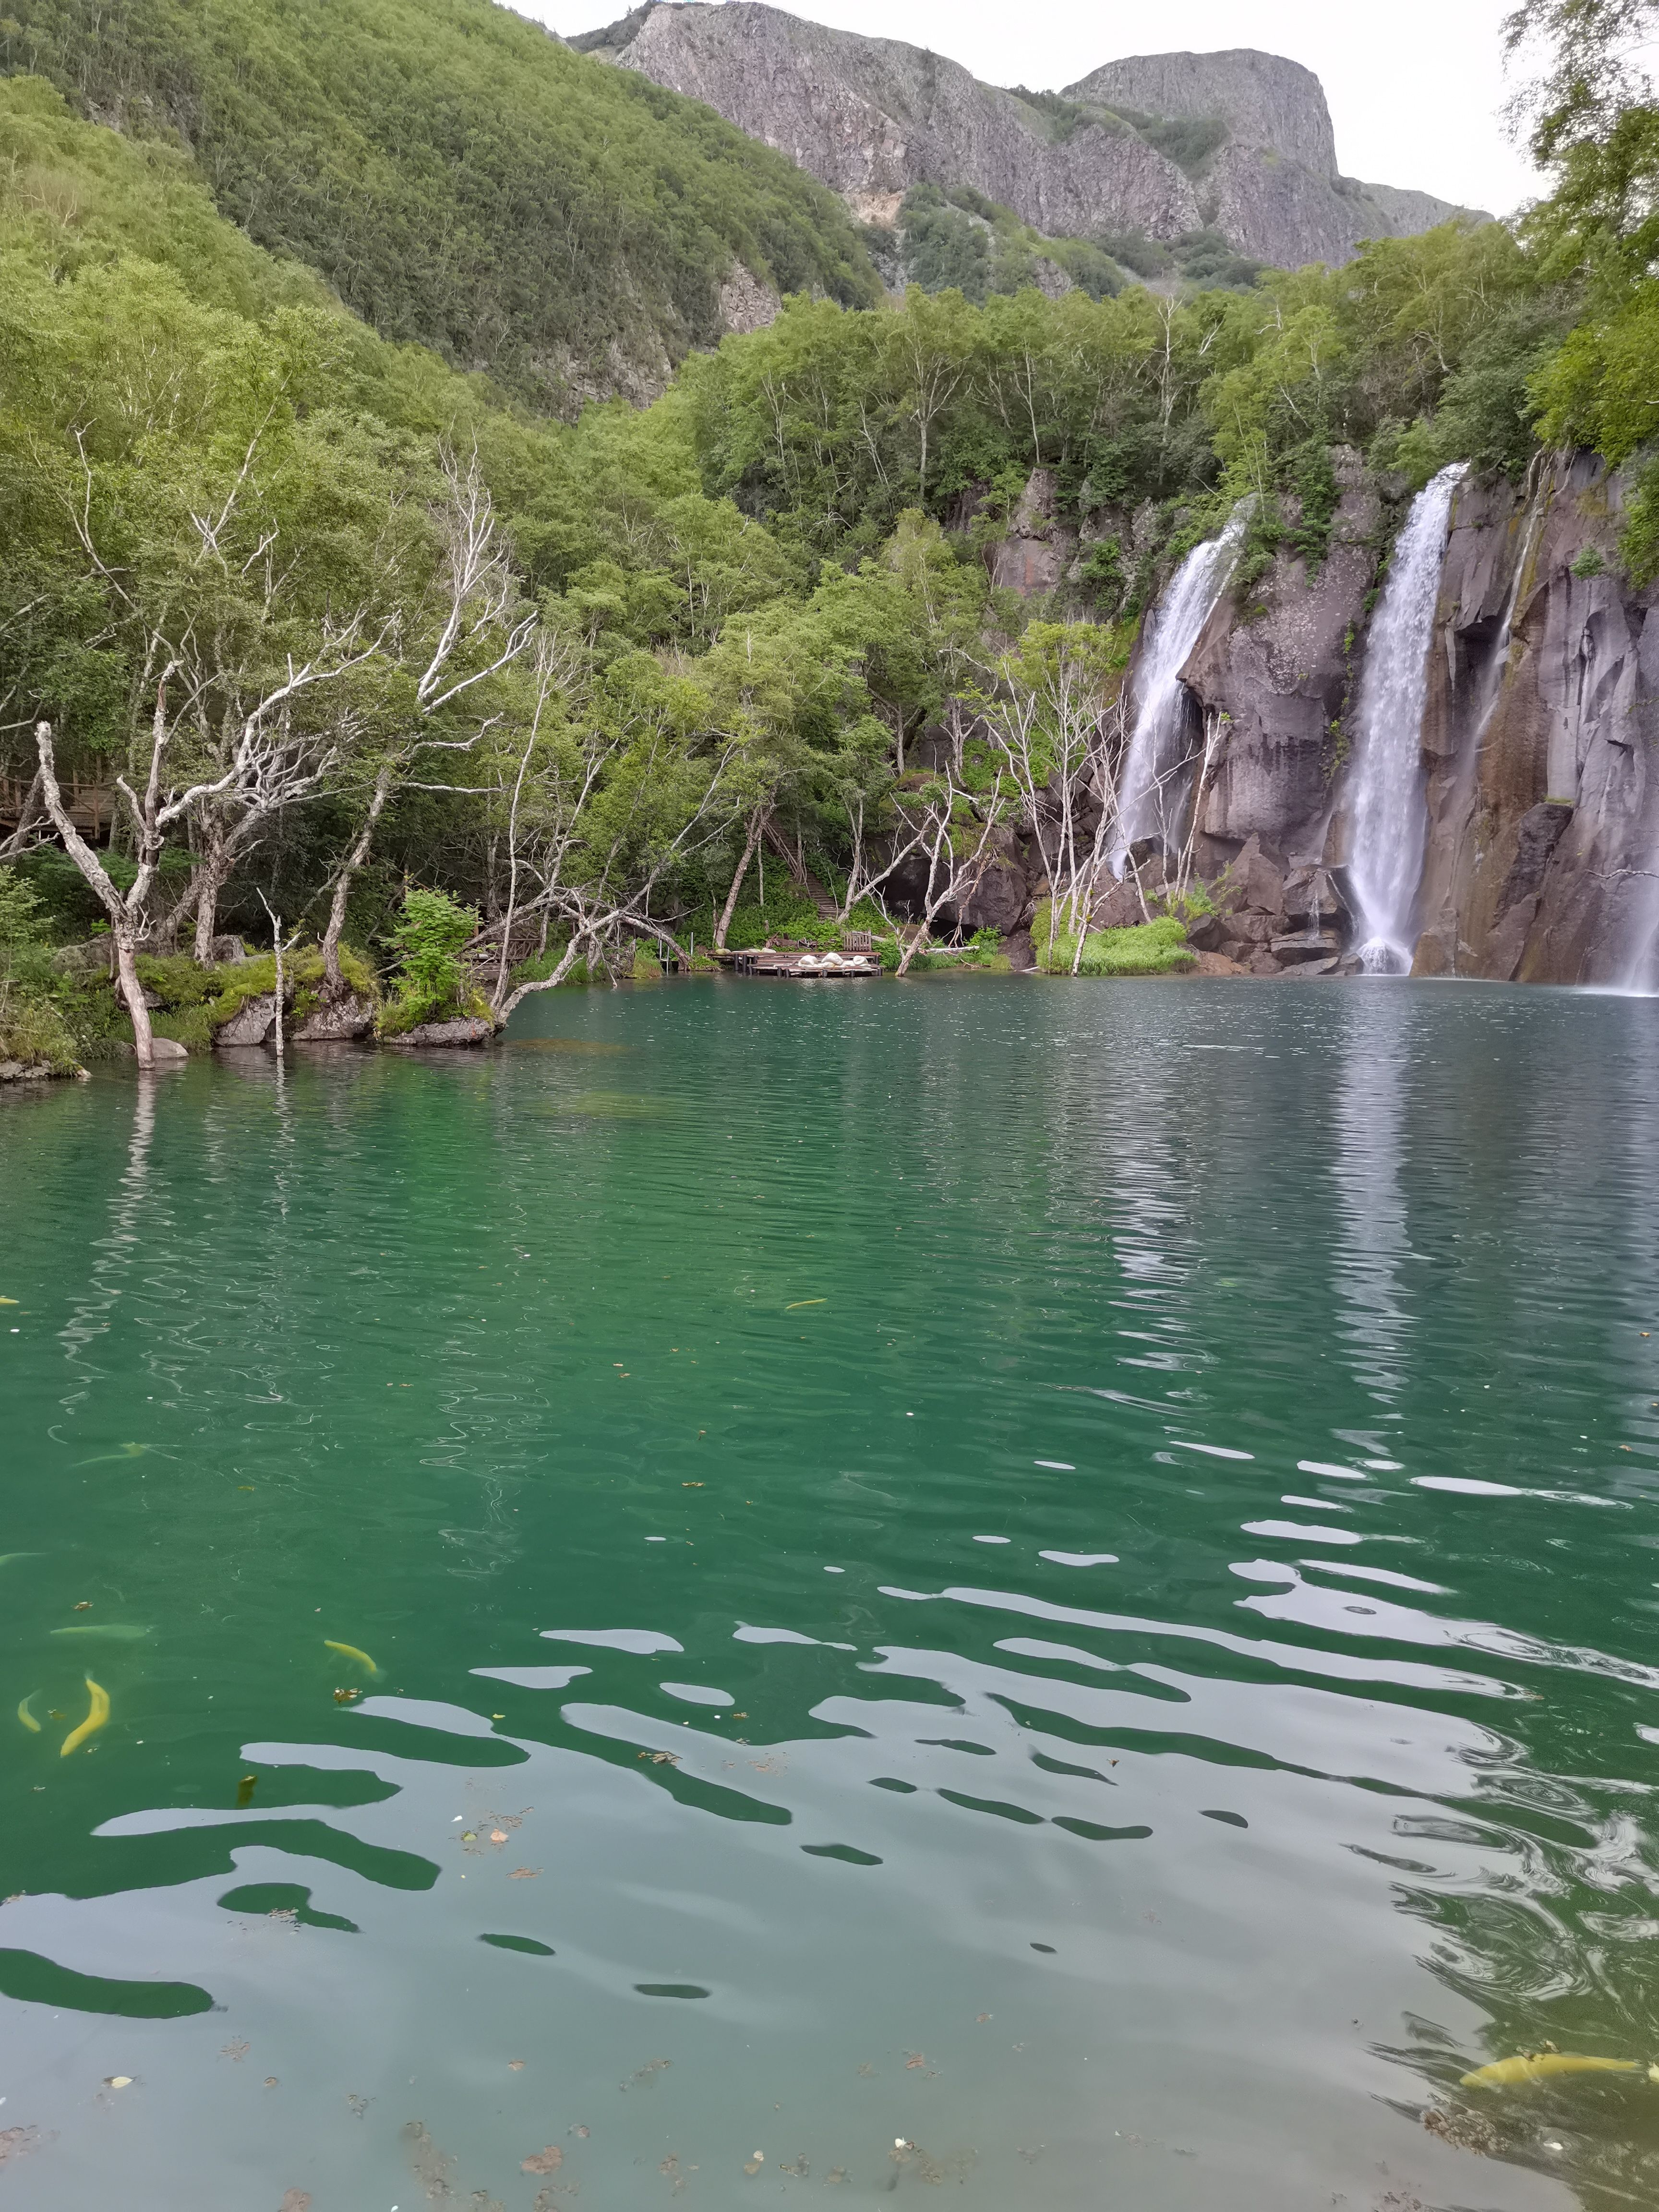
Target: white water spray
column 1156, row 748
column 1390, row 814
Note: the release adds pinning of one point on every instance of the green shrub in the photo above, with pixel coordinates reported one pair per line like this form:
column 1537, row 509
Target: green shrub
column 178, row 981
column 430, row 984
column 1153, row 948
column 1639, row 548
column 35, row 998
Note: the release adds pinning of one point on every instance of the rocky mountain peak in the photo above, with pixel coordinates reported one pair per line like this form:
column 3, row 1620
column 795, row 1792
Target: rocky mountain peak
column 1263, row 100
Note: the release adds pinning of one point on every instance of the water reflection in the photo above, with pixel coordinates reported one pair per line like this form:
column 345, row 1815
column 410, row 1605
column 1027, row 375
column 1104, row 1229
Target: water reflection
column 1367, row 1170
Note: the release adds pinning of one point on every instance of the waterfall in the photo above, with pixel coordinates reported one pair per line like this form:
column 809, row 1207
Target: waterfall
column 1390, row 814
column 1637, row 981
column 1157, row 747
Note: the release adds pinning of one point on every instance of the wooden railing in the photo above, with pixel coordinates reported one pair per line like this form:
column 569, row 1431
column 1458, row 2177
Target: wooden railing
column 91, row 805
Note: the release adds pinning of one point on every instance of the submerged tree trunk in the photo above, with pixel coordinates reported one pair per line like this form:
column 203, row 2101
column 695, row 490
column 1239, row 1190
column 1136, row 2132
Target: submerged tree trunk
column 132, row 992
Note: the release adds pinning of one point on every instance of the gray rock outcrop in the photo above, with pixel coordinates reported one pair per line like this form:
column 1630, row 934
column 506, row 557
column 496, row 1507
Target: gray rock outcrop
column 1263, row 98
column 339, row 1022
column 251, row 1022
column 1037, row 549
column 1539, row 743
column 1279, row 669
column 872, row 117
column 445, row 1034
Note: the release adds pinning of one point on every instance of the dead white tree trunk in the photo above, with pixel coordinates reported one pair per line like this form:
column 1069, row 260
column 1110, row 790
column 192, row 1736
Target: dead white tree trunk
column 756, row 831
column 335, row 927
column 616, row 893
column 125, row 910
column 862, row 880
column 953, row 871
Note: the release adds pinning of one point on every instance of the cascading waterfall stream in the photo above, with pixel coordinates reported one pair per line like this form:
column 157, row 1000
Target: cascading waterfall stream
column 1639, row 978
column 1146, row 806
column 1390, row 814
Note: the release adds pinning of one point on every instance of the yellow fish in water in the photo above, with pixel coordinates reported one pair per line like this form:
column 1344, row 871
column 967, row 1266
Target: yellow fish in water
column 26, row 1716
column 351, row 1651
column 93, row 1721
column 799, row 1303
column 1537, row 2065
column 127, row 1451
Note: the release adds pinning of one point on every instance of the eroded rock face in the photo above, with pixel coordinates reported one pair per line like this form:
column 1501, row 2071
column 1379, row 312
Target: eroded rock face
column 1273, row 189
column 1540, row 773
column 1263, row 98
column 1539, row 740
column 747, row 303
column 1280, row 666
column 1035, row 554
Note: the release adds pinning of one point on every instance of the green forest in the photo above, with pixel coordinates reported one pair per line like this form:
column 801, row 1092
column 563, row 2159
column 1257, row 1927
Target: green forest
column 311, row 580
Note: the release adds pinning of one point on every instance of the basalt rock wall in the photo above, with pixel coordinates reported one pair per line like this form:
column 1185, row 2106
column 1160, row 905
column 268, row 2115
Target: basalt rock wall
column 1277, row 661
column 1538, row 742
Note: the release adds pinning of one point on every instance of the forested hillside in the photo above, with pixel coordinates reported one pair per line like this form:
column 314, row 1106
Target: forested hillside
column 459, row 176
column 349, row 624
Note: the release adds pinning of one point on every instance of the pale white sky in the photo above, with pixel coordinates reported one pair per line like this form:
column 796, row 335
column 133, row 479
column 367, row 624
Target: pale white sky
column 1415, row 86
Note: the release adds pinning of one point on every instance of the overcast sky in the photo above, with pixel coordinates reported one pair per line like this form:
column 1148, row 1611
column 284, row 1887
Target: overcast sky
column 1415, row 86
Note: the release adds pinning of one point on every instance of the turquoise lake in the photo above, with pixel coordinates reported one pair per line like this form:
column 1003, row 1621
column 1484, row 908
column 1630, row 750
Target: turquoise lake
column 1045, row 1591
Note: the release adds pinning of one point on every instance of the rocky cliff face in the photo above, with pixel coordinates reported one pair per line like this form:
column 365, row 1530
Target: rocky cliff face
column 872, row 117
column 1539, row 741
column 1274, row 188
column 1263, row 98
column 1543, row 717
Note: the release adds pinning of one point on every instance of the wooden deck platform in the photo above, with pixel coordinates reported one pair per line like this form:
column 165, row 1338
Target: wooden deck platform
column 805, row 967
column 802, row 960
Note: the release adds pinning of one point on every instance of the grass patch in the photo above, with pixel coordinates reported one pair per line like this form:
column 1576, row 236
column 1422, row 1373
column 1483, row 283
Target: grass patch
column 1150, row 948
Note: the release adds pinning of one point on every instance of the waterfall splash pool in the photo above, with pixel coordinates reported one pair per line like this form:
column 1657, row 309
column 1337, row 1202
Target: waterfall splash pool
column 984, row 1583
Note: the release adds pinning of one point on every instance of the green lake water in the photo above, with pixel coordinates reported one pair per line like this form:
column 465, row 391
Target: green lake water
column 1052, row 1591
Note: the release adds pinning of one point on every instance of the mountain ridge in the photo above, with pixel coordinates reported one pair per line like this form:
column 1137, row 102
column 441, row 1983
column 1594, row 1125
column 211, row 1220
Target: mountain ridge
column 460, row 177
column 1240, row 142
